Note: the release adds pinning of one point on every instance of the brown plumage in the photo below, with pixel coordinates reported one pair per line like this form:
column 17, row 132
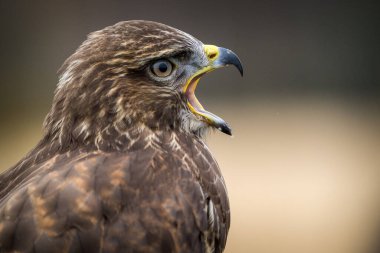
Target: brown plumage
column 122, row 166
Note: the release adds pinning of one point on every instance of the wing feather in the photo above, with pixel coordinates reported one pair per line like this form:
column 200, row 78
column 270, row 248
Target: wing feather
column 147, row 200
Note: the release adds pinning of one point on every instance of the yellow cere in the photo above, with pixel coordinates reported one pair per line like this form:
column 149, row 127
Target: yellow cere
column 211, row 51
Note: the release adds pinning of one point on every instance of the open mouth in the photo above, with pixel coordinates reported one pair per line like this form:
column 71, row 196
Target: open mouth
column 196, row 107
column 218, row 57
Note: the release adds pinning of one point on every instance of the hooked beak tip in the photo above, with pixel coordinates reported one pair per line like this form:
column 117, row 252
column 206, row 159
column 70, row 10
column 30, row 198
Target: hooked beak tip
column 227, row 57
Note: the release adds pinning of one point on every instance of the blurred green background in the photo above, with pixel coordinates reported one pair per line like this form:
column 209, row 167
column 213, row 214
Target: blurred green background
column 303, row 167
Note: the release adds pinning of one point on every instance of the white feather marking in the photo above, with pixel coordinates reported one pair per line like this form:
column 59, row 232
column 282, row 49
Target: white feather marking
column 152, row 141
column 174, row 142
column 68, row 75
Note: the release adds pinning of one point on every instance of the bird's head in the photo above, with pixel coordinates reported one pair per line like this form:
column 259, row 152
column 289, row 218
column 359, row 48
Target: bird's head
column 136, row 74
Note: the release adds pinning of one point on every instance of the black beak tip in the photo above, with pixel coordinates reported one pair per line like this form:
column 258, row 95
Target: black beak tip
column 224, row 128
column 239, row 65
column 240, row 68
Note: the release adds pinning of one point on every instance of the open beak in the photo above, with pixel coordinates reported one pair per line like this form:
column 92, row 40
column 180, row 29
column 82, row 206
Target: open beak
column 218, row 57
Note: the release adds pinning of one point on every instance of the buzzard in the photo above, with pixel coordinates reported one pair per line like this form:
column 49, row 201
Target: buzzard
column 122, row 165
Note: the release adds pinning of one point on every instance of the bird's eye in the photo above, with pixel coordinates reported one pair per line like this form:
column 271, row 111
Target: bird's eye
column 162, row 68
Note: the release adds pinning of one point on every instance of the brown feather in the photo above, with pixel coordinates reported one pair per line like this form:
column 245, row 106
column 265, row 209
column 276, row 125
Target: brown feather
column 114, row 171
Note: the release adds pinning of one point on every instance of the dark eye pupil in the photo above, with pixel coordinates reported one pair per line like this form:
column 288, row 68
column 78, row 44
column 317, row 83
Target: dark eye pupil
column 163, row 67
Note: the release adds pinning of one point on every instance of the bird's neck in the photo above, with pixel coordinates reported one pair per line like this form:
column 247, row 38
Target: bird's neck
column 121, row 131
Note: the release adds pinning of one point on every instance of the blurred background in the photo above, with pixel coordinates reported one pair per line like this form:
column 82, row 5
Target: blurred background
column 303, row 167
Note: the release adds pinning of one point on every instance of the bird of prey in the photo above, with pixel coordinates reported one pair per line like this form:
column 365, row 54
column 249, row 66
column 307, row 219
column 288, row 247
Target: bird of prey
column 122, row 165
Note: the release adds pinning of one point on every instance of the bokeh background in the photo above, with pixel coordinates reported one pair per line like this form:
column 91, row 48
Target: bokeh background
column 303, row 167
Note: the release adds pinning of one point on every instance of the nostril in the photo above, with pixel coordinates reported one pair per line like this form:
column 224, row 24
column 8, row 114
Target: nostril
column 212, row 55
column 211, row 52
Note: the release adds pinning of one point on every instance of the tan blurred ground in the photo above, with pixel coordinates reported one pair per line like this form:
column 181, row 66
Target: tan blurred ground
column 303, row 177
